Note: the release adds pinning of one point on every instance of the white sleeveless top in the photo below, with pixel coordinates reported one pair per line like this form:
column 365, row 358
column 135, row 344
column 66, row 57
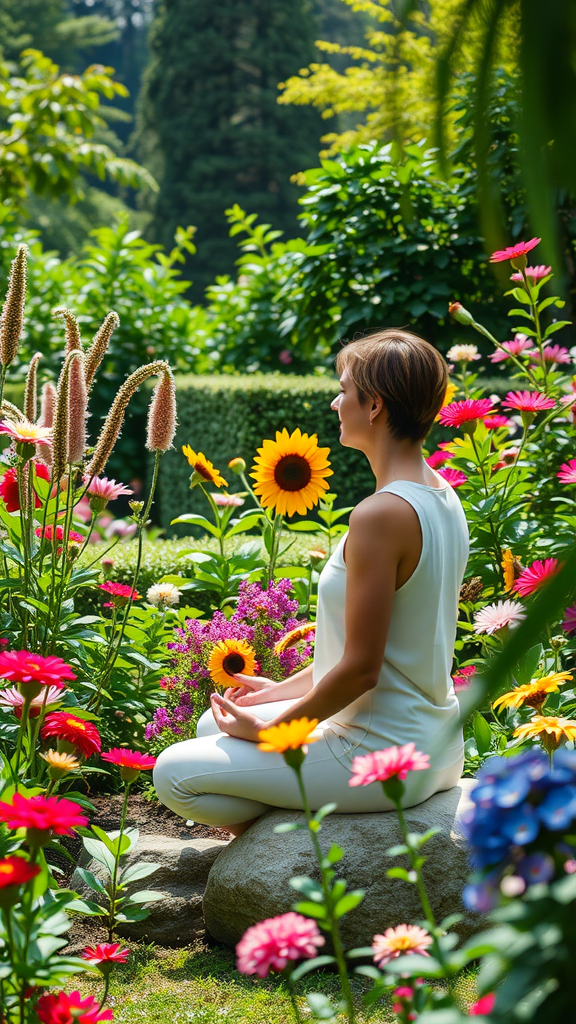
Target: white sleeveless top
column 414, row 699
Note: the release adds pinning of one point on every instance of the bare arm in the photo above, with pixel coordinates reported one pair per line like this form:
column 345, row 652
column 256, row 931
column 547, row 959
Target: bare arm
column 295, row 686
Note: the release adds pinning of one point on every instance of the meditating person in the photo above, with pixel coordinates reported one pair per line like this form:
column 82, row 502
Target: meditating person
column 386, row 624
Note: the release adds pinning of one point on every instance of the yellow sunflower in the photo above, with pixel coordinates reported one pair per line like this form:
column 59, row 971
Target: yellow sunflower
column 532, row 694
column 451, row 390
column 550, row 731
column 204, row 471
column 288, row 735
column 290, row 472
column 511, row 568
column 229, row 657
column 294, row 636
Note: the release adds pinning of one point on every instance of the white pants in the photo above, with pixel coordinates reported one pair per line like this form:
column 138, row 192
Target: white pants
column 219, row 780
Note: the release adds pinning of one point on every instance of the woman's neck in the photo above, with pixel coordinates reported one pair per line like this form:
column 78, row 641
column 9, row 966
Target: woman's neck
column 399, row 460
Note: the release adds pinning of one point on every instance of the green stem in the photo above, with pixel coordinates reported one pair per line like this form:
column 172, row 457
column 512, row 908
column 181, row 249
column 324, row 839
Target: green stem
column 525, row 369
column 513, row 472
column 287, row 974
column 536, row 319
column 217, row 519
column 105, row 992
column 114, row 880
column 21, row 733
column 493, row 529
column 3, row 373
column 333, row 923
column 276, row 528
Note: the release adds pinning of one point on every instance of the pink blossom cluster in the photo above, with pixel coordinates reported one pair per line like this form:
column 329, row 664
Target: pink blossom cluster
column 262, row 616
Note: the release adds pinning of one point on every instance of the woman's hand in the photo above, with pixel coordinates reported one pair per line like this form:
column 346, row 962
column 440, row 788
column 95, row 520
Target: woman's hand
column 235, row 721
column 249, row 686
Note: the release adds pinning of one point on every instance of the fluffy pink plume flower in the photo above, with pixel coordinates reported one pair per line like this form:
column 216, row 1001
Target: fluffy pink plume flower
column 454, row 477
column 527, row 401
column 534, row 273
column 535, row 576
column 521, row 345
column 405, row 938
column 495, row 617
column 457, row 413
column 567, row 472
column 386, row 764
column 273, row 943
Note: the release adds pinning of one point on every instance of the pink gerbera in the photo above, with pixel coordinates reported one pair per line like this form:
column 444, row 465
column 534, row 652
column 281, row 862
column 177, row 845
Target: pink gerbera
column 535, row 576
column 405, row 938
column 495, row 617
column 497, row 422
column 13, row 699
column 101, row 490
column 61, row 1008
column 463, row 677
column 453, row 476
column 105, row 953
column 121, row 593
column 521, row 345
column 47, row 532
column 567, row 472
column 393, row 762
column 527, row 401
column 25, row 667
column 457, row 413
column 534, row 273
column 273, row 943
column 438, row 458
column 42, row 814
column 130, row 762
column 514, row 251
column 553, row 354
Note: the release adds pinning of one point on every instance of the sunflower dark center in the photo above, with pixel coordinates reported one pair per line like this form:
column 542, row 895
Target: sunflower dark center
column 203, row 471
column 292, row 473
column 233, row 663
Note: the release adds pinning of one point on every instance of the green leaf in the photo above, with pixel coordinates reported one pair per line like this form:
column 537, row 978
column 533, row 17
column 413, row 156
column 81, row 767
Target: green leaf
column 147, row 896
column 305, row 526
column 482, row 733
column 316, row 910
column 287, row 826
column 348, row 902
column 87, row 908
column 311, row 965
column 526, row 666
column 134, row 872
column 398, row 873
column 320, row 1005
column 197, row 520
column 99, row 852
column 91, row 880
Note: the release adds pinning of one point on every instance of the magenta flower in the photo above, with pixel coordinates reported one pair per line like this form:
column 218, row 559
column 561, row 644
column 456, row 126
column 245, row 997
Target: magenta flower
column 273, row 943
column 393, row 762
column 527, row 401
column 485, row 1005
column 569, row 624
column 514, row 251
column 497, row 421
column 25, row 667
column 495, row 617
column 453, row 476
column 535, row 576
column 438, row 459
column 457, row 413
column 553, row 354
column 13, row 699
column 567, row 472
column 463, row 677
column 521, row 345
column 534, row 273
column 102, row 490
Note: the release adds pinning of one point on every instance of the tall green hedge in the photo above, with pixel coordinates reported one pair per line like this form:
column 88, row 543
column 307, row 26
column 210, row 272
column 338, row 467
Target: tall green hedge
column 225, row 416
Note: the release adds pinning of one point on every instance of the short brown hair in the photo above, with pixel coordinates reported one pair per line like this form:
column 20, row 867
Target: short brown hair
column 407, row 372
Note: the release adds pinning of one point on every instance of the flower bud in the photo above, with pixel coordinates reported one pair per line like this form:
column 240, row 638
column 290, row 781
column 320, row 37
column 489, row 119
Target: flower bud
column 237, row 465
column 460, row 314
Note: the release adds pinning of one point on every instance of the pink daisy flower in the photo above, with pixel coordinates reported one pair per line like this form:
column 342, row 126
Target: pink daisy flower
column 535, row 576
column 404, row 938
column 521, row 345
column 567, row 472
column 495, row 617
column 463, row 677
column 569, row 624
column 385, row 764
column 105, row 953
column 527, row 401
column 534, row 273
column 273, row 943
column 13, row 699
column 485, row 1005
column 507, row 457
column 497, row 421
column 553, row 354
column 453, row 476
column 438, row 459
column 512, row 252
column 228, row 500
column 457, row 413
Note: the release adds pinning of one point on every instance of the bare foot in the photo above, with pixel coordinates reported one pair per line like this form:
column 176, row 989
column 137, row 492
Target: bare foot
column 240, row 828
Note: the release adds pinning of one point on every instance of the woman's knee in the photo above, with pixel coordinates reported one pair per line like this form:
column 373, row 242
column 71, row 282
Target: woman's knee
column 166, row 775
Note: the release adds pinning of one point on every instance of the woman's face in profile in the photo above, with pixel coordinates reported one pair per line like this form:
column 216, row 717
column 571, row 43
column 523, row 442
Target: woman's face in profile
column 354, row 418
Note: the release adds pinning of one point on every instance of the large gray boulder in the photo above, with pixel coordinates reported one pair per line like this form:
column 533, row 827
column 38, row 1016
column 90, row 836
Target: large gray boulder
column 250, row 879
column 176, row 919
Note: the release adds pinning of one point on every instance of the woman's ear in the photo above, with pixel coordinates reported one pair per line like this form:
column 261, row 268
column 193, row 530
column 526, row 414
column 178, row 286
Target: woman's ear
column 377, row 407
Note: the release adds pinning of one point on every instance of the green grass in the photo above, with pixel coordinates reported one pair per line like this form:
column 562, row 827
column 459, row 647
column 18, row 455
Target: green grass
column 200, row 984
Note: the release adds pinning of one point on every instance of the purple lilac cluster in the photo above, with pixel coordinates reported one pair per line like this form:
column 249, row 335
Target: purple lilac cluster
column 522, row 805
column 262, row 616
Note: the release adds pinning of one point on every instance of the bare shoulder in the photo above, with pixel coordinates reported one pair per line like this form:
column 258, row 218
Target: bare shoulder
column 383, row 510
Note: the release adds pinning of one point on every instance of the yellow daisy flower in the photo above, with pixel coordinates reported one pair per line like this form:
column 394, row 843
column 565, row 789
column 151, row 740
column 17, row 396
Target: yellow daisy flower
column 290, row 472
column 202, row 466
column 291, row 638
column 451, row 390
column 59, row 763
column 229, row 657
column 532, row 694
column 288, row 735
column 549, row 730
column 511, row 568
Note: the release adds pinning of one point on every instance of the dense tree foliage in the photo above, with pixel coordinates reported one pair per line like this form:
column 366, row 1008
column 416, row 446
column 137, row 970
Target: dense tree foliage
column 211, row 117
column 50, row 26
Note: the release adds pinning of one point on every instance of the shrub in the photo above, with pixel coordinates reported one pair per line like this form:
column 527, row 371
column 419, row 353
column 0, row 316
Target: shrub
column 229, row 416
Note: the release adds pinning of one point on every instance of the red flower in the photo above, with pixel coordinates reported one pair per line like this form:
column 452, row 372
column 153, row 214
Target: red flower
column 535, row 576
column 43, row 814
column 70, row 1009
column 457, row 413
column 24, row 667
column 16, row 871
column 106, row 952
column 130, row 762
column 48, row 533
column 514, row 251
column 453, row 476
column 484, row 1005
column 9, row 487
column 121, row 594
column 527, row 401
column 81, row 734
